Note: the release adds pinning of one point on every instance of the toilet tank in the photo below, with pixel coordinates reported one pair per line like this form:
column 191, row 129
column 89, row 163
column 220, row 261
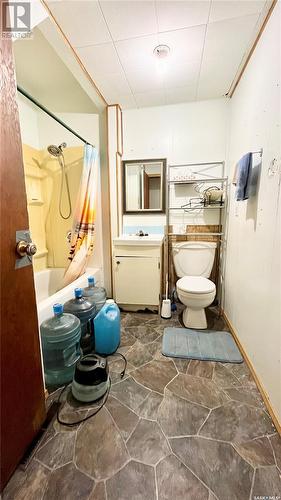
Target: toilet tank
column 194, row 258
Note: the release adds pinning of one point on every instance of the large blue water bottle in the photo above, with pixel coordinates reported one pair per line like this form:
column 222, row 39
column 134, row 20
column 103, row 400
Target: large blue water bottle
column 85, row 311
column 95, row 294
column 107, row 328
column 60, row 338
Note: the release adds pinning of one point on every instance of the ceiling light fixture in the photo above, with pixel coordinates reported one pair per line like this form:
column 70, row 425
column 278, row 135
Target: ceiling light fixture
column 161, row 51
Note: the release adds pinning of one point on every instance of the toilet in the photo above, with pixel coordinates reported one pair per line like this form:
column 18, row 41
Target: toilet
column 193, row 262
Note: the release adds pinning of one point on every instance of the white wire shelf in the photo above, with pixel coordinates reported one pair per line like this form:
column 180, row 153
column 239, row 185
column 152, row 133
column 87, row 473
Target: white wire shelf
column 197, row 181
column 201, row 207
column 195, row 234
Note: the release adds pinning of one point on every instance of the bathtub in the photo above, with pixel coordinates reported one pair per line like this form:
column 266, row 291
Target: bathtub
column 48, row 281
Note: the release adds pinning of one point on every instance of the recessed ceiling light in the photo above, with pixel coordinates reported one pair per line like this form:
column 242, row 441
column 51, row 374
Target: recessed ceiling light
column 161, row 51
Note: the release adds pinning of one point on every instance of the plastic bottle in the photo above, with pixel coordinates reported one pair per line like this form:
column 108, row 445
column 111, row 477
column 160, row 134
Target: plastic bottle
column 95, row 294
column 60, row 338
column 85, row 311
column 107, row 328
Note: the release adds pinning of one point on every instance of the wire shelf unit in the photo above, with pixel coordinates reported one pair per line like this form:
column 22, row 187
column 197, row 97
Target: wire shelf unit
column 220, row 210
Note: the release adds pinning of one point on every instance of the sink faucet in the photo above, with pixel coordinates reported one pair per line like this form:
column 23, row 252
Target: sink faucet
column 141, row 233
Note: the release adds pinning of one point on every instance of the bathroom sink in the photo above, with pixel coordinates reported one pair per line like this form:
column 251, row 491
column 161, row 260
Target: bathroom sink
column 150, row 240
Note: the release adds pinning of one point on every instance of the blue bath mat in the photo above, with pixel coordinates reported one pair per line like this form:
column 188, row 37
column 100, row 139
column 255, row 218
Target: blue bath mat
column 207, row 345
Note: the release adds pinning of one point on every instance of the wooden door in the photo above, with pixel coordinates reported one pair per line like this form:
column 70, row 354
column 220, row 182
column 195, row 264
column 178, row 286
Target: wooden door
column 22, row 390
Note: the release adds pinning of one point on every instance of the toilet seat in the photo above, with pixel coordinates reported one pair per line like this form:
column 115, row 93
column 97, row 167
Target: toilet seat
column 196, row 285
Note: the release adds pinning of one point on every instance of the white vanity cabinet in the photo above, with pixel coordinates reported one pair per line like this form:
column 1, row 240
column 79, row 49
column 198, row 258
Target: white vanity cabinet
column 137, row 273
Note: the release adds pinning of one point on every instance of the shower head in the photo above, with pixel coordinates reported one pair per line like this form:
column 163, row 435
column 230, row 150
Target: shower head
column 56, row 150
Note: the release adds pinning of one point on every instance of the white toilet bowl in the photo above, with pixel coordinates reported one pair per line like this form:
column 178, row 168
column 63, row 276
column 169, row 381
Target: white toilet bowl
column 196, row 293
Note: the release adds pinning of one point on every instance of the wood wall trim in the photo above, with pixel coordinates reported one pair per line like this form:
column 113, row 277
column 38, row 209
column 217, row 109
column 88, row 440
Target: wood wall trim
column 109, row 201
column 241, row 72
column 73, row 51
column 261, row 388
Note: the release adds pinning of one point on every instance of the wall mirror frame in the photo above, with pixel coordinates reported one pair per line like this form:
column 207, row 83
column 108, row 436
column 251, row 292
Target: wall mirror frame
column 144, row 186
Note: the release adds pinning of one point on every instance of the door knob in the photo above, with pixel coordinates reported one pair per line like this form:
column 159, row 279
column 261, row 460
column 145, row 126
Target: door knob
column 24, row 248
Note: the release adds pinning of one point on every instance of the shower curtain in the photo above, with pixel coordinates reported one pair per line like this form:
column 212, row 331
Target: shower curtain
column 83, row 227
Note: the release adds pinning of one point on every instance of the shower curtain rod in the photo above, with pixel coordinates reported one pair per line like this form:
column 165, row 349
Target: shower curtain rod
column 32, row 99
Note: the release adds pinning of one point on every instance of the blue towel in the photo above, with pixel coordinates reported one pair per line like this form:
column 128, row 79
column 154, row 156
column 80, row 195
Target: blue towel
column 244, row 168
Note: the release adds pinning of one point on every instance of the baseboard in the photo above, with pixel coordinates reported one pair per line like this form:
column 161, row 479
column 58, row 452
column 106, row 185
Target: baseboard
column 256, row 378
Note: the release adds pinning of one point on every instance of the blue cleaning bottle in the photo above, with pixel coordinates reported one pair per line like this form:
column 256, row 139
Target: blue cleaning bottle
column 60, row 339
column 85, row 311
column 107, row 328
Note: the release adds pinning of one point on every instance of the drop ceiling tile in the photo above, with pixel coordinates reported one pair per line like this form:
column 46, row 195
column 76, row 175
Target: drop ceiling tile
column 155, row 98
column 181, row 75
column 82, row 22
column 127, row 101
column 174, row 15
column 100, row 59
column 180, row 94
column 211, row 89
column 145, row 81
column 137, row 53
column 216, row 77
column 112, row 84
column 186, row 44
column 229, row 38
column 128, row 19
column 221, row 9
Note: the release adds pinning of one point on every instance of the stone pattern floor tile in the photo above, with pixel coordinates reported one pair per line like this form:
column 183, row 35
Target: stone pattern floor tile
column 212, row 462
column 129, row 392
column 201, row 368
column 248, row 396
column 135, row 481
column 242, row 373
column 155, row 375
column 34, row 484
column 145, row 333
column 100, row 450
column 224, row 377
column 125, row 419
column 139, row 355
column 176, row 482
column 119, row 454
column 69, row 483
column 148, row 444
column 236, row 423
column 267, row 483
column 257, row 452
column 149, row 407
column 179, row 417
column 98, row 492
column 58, row 450
column 276, row 445
column 181, row 364
column 197, row 390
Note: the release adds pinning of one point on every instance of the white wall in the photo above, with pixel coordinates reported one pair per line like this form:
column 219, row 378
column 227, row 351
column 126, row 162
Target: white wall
column 252, row 291
column 28, row 116
column 182, row 133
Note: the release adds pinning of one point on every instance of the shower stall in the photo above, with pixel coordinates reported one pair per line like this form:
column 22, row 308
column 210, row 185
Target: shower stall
column 53, row 168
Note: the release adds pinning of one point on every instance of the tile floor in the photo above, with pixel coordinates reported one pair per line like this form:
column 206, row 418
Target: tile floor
column 171, row 430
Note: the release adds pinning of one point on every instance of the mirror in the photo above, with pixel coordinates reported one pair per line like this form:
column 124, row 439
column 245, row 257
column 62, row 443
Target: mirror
column 144, row 186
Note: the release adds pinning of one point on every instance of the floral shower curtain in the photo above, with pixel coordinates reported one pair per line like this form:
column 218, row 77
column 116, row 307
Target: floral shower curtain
column 83, row 228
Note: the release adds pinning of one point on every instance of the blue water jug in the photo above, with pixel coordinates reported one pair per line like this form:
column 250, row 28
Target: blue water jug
column 107, row 328
column 85, row 311
column 60, row 338
column 95, row 294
